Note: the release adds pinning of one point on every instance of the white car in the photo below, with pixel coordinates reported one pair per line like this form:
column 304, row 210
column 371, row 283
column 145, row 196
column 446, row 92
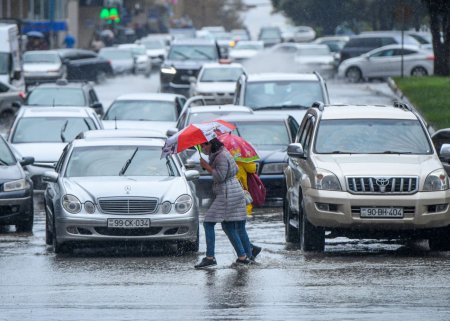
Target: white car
column 142, row 63
column 245, row 50
column 155, row 48
column 156, row 111
column 118, row 189
column 44, row 132
column 217, row 82
column 42, row 66
column 122, row 60
column 387, row 62
column 298, row 34
column 315, row 57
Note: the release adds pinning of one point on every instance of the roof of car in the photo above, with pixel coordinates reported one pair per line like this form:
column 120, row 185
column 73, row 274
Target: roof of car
column 119, row 141
column 282, row 76
column 34, row 111
column 191, row 41
column 256, row 117
column 215, row 108
column 366, row 111
column 149, row 96
column 221, row 65
column 63, row 83
column 37, row 52
column 122, row 133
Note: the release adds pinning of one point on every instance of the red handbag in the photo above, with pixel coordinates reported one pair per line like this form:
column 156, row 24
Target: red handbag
column 256, row 189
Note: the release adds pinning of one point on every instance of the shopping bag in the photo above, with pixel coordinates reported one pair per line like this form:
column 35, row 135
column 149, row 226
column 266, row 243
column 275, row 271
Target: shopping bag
column 256, row 189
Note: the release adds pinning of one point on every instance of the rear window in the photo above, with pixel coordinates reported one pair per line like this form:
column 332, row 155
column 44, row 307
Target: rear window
column 56, row 96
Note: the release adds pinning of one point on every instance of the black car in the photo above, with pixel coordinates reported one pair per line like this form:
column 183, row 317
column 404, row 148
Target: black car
column 64, row 93
column 184, row 61
column 16, row 190
column 85, row 65
column 270, row 134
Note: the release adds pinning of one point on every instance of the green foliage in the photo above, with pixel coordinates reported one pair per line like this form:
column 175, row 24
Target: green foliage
column 430, row 95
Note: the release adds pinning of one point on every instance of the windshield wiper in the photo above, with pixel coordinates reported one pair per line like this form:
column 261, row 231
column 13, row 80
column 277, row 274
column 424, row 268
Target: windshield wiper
column 394, row 152
column 180, row 54
column 128, row 162
column 2, row 162
column 203, row 54
column 63, row 129
column 281, row 107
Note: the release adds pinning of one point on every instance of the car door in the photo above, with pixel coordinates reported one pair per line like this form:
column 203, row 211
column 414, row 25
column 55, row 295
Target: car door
column 383, row 63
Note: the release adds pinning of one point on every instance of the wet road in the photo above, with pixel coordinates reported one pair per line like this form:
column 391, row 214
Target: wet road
column 352, row 280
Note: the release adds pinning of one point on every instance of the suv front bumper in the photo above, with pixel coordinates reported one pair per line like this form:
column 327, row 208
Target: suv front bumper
column 344, row 210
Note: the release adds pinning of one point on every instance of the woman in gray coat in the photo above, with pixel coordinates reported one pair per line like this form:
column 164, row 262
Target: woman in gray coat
column 228, row 206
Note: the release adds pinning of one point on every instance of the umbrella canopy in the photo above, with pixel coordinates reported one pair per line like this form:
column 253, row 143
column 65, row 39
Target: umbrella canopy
column 195, row 134
column 241, row 149
column 35, row 34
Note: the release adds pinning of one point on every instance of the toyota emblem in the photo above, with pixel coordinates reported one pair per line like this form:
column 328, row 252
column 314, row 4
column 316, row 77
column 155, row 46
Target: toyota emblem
column 382, row 182
column 127, row 189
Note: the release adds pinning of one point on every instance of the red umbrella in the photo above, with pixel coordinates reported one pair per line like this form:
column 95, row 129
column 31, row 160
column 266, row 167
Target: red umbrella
column 195, row 134
column 241, row 149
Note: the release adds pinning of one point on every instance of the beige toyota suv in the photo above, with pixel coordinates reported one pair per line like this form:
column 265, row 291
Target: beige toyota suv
column 365, row 172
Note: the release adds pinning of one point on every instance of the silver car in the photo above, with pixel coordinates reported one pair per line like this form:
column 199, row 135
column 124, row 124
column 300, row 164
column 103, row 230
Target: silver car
column 117, row 188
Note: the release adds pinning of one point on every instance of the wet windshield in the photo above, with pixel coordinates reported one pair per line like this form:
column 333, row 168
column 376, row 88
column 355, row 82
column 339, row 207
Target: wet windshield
column 110, row 160
column 116, row 54
column 145, row 110
column 192, row 52
column 282, row 93
column 50, row 129
column 366, row 136
column 195, row 118
column 264, row 135
column 6, row 156
column 41, row 58
column 221, row 74
column 4, row 63
column 56, row 97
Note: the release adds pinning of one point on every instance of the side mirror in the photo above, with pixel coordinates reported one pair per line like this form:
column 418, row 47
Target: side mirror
column 16, row 104
column 98, row 107
column 295, row 150
column 26, row 161
column 189, row 165
column 192, row 175
column 444, row 153
column 50, row 177
column 171, row 132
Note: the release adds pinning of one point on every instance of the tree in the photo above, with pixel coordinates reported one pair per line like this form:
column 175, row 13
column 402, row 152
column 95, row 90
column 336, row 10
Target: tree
column 439, row 11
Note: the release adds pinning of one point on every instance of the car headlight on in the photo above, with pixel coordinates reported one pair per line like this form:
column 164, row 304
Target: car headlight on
column 166, row 207
column 436, row 181
column 273, row 168
column 71, row 204
column 89, row 207
column 183, row 204
column 168, row 70
column 16, row 185
column 326, row 180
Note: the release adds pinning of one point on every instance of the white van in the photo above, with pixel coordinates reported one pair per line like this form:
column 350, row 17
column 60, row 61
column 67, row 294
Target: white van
column 10, row 66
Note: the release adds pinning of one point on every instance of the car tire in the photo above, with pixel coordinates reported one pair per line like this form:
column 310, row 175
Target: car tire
column 353, row 74
column 7, row 118
column 48, row 233
column 290, row 232
column 100, row 77
column 440, row 241
column 59, row 248
column 189, row 246
column 27, row 225
column 419, row 71
column 312, row 238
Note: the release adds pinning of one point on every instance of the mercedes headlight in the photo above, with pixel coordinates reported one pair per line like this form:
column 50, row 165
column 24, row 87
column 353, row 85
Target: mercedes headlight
column 71, row 204
column 166, row 207
column 273, row 168
column 168, row 70
column 183, row 204
column 326, row 180
column 436, row 181
column 89, row 207
column 16, row 185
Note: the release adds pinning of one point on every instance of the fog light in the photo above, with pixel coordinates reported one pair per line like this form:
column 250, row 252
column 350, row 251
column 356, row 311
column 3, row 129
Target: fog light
column 14, row 209
column 441, row 207
column 72, row 230
column 323, row 206
column 183, row 229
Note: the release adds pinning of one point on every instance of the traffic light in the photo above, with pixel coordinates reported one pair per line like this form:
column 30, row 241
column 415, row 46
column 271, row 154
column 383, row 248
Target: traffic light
column 110, row 15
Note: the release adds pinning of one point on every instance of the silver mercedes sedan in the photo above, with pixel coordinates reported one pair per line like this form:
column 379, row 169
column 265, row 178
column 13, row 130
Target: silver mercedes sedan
column 115, row 188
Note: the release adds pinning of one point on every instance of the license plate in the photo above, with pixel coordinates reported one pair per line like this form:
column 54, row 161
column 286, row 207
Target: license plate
column 381, row 212
column 129, row 222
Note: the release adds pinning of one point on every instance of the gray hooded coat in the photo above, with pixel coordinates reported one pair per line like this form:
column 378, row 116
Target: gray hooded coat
column 229, row 202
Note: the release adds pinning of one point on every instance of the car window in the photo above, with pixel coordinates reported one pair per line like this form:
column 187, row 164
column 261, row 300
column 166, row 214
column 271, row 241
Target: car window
column 119, row 54
column 387, row 41
column 111, row 160
column 185, row 52
column 142, row 110
column 264, row 134
column 50, row 129
column 282, row 93
column 6, row 156
column 92, row 96
column 384, row 53
column 41, row 58
column 3, row 88
column 293, row 127
column 221, row 74
column 369, row 136
column 56, row 96
column 195, row 118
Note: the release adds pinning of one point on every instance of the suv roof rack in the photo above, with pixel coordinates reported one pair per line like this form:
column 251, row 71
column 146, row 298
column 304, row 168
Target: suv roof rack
column 318, row 104
column 401, row 105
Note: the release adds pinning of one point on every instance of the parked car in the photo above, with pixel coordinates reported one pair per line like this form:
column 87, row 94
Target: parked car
column 244, row 50
column 85, row 65
column 16, row 190
column 10, row 99
column 286, row 93
column 270, row 135
column 157, row 111
column 216, row 82
column 270, row 36
column 142, row 62
column 44, row 132
column 118, row 189
column 365, row 42
column 388, row 61
column 316, row 57
column 63, row 93
column 122, row 60
column 42, row 66
column 298, row 34
column 365, row 172
column 184, row 60
column 335, row 43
